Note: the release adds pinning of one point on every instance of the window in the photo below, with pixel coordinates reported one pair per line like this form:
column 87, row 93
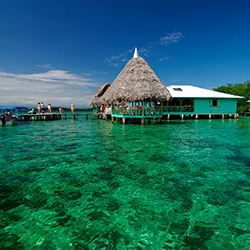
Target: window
column 187, row 102
column 177, row 89
column 174, row 102
column 214, row 103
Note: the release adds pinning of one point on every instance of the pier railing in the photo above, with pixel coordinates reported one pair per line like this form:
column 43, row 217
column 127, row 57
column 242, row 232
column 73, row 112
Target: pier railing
column 147, row 112
column 178, row 109
column 51, row 116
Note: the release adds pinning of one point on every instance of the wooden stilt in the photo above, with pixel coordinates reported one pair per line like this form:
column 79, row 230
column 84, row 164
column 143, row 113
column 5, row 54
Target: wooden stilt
column 142, row 121
column 182, row 116
column 159, row 120
column 209, row 116
column 222, row 116
column 196, row 116
column 168, row 116
column 112, row 119
column 87, row 117
column 65, row 117
column 123, row 120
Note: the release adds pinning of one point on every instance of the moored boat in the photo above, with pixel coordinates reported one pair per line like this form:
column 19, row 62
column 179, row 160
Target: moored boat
column 7, row 117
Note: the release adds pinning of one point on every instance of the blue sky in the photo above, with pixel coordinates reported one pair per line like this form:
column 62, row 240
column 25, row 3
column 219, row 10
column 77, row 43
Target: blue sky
column 61, row 52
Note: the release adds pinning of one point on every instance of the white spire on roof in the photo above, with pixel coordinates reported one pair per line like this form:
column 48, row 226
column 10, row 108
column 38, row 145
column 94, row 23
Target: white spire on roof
column 136, row 54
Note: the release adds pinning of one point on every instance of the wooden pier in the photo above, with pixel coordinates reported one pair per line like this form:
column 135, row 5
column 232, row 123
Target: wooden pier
column 51, row 116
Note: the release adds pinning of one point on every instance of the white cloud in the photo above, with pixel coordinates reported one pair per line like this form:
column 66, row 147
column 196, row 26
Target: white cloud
column 163, row 59
column 171, row 38
column 58, row 87
column 116, row 61
column 45, row 66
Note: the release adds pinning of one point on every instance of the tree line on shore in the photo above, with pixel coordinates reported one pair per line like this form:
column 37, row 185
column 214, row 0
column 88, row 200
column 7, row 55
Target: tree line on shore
column 241, row 89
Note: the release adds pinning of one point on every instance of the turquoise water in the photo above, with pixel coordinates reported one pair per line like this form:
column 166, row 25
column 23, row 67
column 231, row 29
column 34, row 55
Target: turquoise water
column 91, row 184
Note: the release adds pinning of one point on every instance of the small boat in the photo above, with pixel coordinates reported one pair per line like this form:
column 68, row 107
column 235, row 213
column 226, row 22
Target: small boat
column 7, row 117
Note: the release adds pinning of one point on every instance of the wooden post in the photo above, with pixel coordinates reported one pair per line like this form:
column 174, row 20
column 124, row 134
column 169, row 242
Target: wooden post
column 65, row 117
column 182, row 116
column 87, row 117
column 159, row 120
column 142, row 121
column 196, row 116
column 117, row 119
column 168, row 116
column 209, row 116
column 123, row 120
column 112, row 119
column 222, row 116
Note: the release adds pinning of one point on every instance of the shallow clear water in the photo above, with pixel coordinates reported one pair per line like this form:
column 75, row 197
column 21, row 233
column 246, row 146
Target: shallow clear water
column 91, row 184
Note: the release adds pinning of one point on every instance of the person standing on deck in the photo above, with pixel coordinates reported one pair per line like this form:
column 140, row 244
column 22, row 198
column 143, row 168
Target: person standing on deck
column 42, row 107
column 72, row 108
column 49, row 108
column 38, row 108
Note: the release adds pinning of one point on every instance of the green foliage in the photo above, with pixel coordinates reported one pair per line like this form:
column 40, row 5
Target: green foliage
column 241, row 89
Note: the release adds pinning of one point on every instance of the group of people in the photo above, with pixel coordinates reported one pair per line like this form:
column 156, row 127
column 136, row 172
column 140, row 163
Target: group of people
column 41, row 108
column 104, row 109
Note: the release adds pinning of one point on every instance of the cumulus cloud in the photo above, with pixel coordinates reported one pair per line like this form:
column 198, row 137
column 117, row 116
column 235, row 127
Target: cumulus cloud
column 61, row 88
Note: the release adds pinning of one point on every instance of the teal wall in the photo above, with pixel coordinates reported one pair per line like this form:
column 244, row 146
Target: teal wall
column 204, row 106
column 225, row 106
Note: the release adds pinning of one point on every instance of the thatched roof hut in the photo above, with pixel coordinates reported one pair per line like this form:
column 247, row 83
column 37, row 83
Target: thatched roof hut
column 137, row 82
column 97, row 97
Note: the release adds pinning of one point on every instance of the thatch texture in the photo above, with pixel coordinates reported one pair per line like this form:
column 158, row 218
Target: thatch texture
column 97, row 97
column 137, row 81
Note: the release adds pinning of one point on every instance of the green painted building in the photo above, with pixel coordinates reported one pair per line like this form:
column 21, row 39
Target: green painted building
column 193, row 100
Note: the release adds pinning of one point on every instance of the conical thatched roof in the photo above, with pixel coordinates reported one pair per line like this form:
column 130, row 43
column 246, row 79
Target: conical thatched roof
column 137, row 81
column 97, row 97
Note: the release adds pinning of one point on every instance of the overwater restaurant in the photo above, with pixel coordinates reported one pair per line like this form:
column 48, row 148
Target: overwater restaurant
column 190, row 100
column 138, row 94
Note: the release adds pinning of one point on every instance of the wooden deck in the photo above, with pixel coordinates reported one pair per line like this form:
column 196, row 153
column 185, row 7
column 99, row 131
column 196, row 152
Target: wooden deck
column 51, row 116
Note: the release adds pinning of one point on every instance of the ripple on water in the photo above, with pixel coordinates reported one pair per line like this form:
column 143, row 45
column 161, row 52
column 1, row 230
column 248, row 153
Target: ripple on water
column 90, row 184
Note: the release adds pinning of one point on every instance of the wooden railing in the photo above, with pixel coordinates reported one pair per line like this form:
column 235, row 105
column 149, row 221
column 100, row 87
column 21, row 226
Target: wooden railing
column 178, row 109
column 147, row 112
